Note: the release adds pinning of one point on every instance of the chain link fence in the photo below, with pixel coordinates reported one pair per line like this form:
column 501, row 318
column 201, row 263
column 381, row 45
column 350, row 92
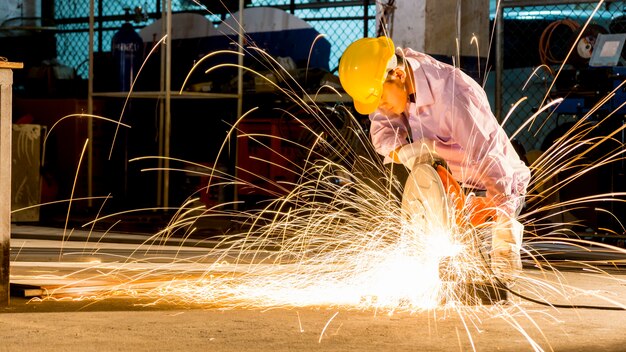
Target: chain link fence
column 537, row 37
column 536, row 41
column 559, row 51
column 340, row 21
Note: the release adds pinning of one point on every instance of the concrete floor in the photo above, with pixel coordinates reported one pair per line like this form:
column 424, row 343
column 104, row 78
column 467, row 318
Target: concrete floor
column 131, row 325
column 119, row 325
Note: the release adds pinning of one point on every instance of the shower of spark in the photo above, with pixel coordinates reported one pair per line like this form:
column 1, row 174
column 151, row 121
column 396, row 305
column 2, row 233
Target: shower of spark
column 327, row 242
column 337, row 235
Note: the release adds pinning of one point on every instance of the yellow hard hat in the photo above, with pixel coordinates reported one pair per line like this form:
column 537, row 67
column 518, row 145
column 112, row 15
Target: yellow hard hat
column 363, row 69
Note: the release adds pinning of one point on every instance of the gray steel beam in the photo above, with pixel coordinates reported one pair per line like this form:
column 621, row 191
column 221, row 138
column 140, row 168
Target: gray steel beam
column 524, row 3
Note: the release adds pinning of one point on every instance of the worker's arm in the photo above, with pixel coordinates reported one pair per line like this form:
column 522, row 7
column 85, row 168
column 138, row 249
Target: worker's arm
column 388, row 133
column 503, row 174
column 488, row 149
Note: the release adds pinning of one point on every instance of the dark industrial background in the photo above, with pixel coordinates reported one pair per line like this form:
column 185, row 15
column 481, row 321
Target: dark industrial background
column 55, row 50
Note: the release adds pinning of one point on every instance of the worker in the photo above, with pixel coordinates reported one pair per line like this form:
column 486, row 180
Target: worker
column 417, row 103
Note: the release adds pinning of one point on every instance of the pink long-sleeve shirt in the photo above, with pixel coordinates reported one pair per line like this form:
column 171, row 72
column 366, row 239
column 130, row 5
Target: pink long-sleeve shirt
column 452, row 109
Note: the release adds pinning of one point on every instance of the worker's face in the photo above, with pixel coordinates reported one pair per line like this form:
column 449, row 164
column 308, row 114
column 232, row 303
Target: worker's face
column 394, row 96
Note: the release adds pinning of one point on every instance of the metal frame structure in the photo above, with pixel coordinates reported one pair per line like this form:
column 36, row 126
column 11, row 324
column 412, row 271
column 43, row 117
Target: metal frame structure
column 164, row 95
column 522, row 3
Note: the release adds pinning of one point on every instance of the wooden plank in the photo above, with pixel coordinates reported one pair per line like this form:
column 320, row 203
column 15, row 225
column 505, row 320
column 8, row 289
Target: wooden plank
column 6, row 80
column 11, row 65
column 26, row 291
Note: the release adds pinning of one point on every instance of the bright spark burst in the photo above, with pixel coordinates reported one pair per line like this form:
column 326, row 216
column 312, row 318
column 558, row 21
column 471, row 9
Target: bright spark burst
column 337, row 236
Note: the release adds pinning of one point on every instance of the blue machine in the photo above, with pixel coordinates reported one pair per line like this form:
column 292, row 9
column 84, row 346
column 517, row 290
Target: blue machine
column 586, row 93
column 267, row 31
column 279, row 33
column 583, row 89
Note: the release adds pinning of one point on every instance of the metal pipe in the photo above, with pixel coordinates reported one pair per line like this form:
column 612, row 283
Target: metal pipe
column 161, row 147
column 100, row 24
column 90, row 106
column 499, row 62
column 366, row 8
column 239, row 96
column 316, row 5
column 168, row 102
column 523, row 3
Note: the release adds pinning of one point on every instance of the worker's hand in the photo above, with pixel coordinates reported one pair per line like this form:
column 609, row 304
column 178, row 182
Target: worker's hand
column 394, row 155
column 506, row 244
column 422, row 151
